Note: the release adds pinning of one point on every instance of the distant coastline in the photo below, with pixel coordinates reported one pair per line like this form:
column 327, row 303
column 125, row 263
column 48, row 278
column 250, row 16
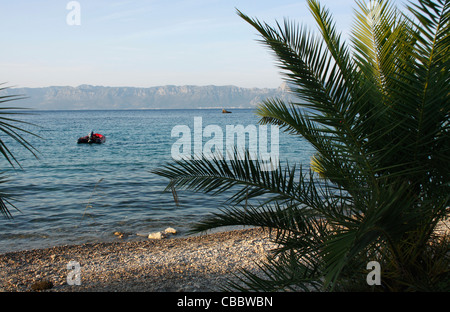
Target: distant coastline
column 133, row 109
column 85, row 97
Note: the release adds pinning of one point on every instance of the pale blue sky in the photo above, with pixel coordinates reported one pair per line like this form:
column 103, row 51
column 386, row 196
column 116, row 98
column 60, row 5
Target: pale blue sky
column 145, row 43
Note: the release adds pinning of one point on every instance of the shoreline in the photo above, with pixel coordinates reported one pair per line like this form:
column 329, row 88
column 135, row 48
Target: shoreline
column 180, row 264
column 200, row 263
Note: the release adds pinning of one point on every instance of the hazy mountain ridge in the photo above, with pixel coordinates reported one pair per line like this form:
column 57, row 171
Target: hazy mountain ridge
column 168, row 97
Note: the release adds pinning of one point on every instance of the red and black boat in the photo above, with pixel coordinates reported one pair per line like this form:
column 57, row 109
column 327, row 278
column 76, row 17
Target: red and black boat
column 96, row 138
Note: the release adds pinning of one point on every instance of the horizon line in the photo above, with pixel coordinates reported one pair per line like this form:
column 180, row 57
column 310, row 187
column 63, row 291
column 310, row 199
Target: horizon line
column 137, row 87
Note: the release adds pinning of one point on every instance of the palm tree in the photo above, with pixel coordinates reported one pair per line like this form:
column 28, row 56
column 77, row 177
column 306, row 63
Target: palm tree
column 11, row 128
column 377, row 113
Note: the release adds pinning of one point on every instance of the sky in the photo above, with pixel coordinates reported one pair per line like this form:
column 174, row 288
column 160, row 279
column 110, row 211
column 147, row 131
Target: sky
column 146, row 43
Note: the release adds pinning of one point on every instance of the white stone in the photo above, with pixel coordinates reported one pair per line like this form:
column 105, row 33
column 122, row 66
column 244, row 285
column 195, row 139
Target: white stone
column 156, row 235
column 170, row 230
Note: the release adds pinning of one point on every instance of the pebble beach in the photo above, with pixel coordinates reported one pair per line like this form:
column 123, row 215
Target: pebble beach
column 203, row 263
column 185, row 264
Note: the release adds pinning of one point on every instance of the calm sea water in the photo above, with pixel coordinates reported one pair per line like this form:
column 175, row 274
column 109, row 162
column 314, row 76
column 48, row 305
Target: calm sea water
column 78, row 193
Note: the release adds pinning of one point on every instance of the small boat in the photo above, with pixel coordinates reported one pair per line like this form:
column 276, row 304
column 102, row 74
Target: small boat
column 92, row 138
column 224, row 111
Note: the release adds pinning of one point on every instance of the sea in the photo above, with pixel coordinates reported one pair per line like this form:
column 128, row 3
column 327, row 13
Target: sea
column 80, row 193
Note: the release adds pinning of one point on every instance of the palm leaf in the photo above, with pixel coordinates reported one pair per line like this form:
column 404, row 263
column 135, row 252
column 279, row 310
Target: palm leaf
column 217, row 176
column 5, row 199
column 12, row 128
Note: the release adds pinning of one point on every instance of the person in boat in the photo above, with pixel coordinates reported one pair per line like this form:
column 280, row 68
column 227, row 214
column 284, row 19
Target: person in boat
column 91, row 136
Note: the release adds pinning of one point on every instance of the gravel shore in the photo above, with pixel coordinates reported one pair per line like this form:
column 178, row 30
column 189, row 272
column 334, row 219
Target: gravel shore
column 187, row 264
column 198, row 263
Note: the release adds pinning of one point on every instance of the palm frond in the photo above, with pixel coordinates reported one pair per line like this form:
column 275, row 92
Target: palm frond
column 11, row 127
column 248, row 176
column 5, row 199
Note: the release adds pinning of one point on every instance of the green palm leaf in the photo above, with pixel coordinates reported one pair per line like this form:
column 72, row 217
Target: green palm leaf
column 13, row 129
column 218, row 175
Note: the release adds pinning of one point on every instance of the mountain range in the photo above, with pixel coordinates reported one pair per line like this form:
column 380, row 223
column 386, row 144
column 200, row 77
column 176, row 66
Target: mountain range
column 161, row 97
